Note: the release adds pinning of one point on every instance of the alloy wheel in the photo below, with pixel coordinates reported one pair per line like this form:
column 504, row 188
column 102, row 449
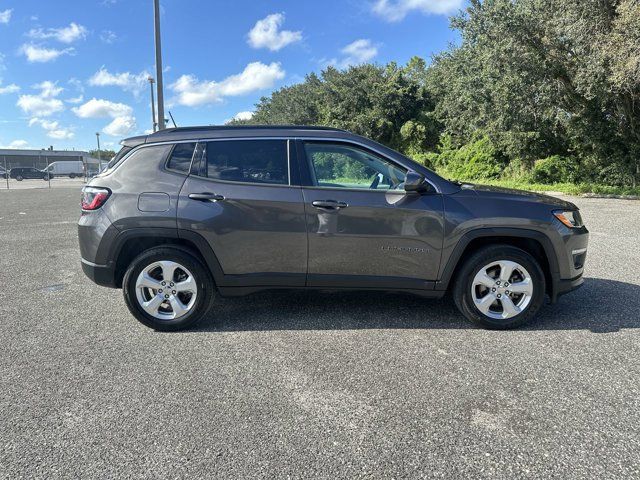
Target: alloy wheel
column 166, row 290
column 502, row 289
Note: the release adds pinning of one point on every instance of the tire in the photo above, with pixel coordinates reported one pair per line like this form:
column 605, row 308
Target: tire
column 19, row 178
column 72, row 175
column 472, row 286
column 187, row 265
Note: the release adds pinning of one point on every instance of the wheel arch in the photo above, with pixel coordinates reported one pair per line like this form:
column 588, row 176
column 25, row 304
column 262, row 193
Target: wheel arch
column 131, row 243
column 531, row 241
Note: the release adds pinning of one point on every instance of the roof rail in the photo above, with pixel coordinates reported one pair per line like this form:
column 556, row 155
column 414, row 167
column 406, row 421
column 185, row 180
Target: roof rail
column 243, row 127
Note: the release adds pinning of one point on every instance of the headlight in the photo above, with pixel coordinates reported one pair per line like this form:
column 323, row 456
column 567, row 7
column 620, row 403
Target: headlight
column 571, row 219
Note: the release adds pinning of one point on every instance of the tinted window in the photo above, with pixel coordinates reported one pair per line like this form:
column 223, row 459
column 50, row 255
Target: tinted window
column 339, row 165
column 181, row 157
column 143, row 160
column 123, row 151
column 258, row 161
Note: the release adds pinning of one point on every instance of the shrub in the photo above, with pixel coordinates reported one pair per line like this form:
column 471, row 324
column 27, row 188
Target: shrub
column 517, row 169
column 476, row 160
column 556, row 169
column 428, row 159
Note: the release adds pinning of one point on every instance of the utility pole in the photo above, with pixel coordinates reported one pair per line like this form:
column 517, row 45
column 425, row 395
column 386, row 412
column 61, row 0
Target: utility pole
column 154, row 123
column 156, row 12
column 86, row 174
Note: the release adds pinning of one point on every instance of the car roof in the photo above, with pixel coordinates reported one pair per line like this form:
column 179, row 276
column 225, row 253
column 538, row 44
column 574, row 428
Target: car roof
column 235, row 131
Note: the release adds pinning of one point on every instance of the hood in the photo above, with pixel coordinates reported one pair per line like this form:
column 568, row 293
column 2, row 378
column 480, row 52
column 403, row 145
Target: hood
column 518, row 195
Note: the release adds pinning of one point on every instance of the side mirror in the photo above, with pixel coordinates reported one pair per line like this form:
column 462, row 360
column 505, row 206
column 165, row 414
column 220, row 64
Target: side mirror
column 415, row 182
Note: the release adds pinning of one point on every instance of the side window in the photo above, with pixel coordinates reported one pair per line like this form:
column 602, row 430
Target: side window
column 256, row 161
column 180, row 159
column 346, row 166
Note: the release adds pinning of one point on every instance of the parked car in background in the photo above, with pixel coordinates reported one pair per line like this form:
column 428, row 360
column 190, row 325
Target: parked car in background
column 3, row 173
column 186, row 212
column 71, row 169
column 22, row 173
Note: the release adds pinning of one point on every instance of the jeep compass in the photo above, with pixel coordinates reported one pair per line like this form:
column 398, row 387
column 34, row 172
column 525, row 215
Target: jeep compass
column 180, row 215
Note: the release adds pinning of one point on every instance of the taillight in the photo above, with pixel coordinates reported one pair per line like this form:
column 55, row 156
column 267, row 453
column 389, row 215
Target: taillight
column 93, row 197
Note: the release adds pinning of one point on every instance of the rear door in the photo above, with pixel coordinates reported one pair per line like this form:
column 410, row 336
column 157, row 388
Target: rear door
column 243, row 199
column 364, row 229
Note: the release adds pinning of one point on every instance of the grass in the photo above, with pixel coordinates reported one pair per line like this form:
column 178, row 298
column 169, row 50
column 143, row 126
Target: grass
column 568, row 188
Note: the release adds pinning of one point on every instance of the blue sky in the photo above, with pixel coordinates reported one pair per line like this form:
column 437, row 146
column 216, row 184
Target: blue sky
column 70, row 68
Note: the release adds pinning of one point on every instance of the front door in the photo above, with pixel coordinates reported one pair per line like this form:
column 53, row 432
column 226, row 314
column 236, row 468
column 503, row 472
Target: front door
column 241, row 200
column 364, row 229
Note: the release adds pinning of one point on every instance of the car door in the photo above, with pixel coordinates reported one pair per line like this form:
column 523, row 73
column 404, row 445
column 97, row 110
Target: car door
column 364, row 229
column 242, row 197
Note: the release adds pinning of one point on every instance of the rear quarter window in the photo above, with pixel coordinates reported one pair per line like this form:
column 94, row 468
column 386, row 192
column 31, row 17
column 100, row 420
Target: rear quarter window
column 180, row 159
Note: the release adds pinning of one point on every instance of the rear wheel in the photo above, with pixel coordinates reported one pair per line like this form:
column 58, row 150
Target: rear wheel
column 500, row 287
column 19, row 178
column 167, row 289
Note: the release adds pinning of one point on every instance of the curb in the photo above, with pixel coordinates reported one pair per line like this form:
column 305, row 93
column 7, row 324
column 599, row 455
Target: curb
column 605, row 195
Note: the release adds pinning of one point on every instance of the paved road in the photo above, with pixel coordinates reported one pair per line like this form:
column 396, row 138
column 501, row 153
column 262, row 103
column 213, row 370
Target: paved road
column 300, row 385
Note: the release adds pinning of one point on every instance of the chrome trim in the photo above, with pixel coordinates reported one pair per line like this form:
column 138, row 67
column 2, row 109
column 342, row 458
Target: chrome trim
column 578, row 251
column 280, row 137
column 91, row 264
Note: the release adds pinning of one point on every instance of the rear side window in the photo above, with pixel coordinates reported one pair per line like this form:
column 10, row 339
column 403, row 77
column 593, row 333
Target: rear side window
column 180, row 159
column 255, row 161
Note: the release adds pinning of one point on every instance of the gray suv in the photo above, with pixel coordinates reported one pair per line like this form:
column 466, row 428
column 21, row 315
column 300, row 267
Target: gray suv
column 187, row 212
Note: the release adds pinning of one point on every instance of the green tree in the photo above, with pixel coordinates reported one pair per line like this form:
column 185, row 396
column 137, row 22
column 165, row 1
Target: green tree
column 105, row 155
column 545, row 77
column 389, row 104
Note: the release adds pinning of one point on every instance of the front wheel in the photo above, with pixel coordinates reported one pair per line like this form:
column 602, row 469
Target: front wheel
column 168, row 289
column 500, row 287
column 19, row 178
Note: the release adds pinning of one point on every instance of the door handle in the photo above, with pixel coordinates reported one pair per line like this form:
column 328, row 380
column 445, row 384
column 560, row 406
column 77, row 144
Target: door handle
column 329, row 204
column 206, row 197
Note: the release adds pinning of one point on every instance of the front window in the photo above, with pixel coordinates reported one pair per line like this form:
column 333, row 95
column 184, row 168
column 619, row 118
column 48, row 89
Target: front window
column 254, row 161
column 345, row 166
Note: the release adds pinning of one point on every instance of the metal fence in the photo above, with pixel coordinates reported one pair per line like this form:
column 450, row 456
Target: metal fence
column 40, row 163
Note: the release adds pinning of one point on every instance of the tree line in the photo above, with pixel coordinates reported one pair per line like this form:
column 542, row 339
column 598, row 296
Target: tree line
column 546, row 90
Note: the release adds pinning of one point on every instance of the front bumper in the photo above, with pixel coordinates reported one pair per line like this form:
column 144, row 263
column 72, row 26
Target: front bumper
column 566, row 286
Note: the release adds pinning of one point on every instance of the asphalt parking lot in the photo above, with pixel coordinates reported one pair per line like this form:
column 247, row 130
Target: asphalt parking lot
column 300, row 385
column 57, row 182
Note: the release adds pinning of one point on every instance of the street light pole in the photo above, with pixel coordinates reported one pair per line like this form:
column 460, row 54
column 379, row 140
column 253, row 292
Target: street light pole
column 156, row 12
column 153, row 105
column 86, row 174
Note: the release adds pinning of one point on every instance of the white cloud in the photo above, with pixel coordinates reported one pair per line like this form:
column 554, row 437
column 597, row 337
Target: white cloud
column 75, row 100
column 53, row 128
column 120, row 126
column 266, row 33
column 99, row 108
column 256, row 76
column 108, row 36
column 5, row 16
column 356, row 53
column 19, row 144
column 43, row 104
column 48, row 89
column 11, row 88
column 243, row 116
column 68, row 34
column 125, row 80
column 396, row 10
column 123, row 121
column 36, row 53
